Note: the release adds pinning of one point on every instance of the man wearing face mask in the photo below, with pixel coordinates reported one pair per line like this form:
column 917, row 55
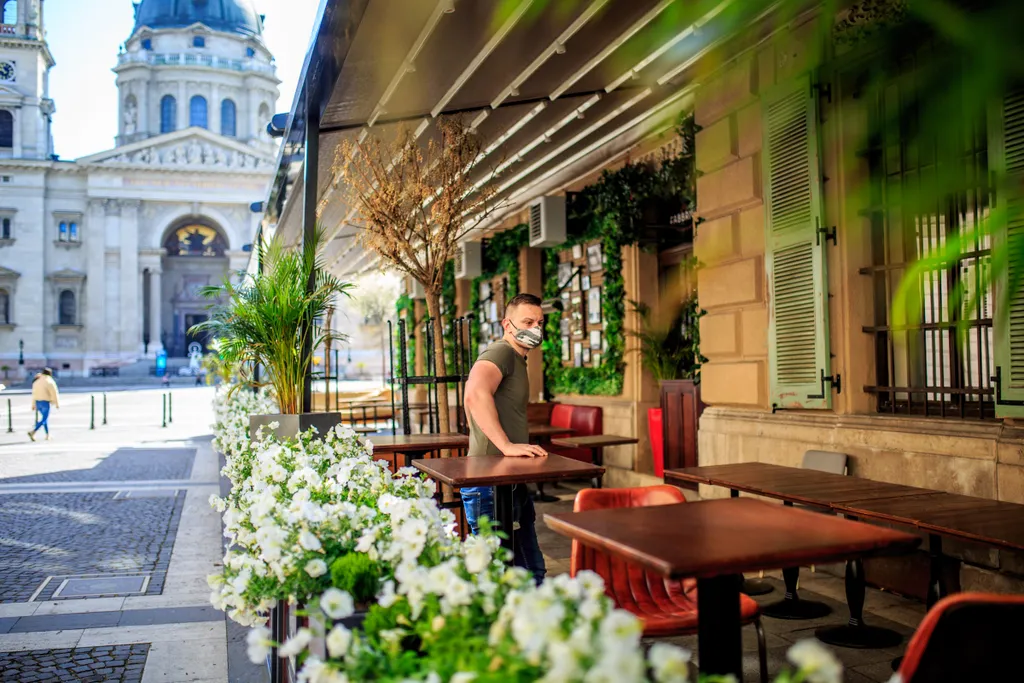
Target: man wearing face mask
column 497, row 392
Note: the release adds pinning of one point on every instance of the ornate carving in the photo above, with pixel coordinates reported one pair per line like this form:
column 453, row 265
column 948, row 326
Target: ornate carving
column 866, row 18
column 131, row 116
column 112, row 207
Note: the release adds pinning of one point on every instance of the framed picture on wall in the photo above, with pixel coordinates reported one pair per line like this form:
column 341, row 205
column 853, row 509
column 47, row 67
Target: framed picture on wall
column 485, row 290
column 585, row 282
column 594, row 305
column 566, row 349
column 564, row 273
column 496, row 330
column 577, row 354
column 492, row 311
column 595, row 262
column 595, row 339
column 563, row 325
column 596, row 358
column 577, row 251
column 586, row 355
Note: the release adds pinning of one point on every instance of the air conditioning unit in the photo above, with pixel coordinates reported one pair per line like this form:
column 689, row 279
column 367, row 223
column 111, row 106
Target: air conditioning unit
column 547, row 221
column 468, row 260
column 415, row 289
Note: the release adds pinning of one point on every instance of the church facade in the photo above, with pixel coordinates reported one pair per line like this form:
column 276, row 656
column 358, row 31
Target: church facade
column 102, row 259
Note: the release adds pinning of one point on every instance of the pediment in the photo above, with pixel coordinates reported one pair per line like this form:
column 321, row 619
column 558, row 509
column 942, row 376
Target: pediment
column 9, row 95
column 66, row 274
column 8, row 274
column 189, row 148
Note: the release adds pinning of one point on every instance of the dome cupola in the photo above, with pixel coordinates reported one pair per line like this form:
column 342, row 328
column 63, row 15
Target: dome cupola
column 229, row 16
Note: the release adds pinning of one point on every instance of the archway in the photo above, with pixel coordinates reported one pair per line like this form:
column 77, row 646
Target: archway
column 195, row 257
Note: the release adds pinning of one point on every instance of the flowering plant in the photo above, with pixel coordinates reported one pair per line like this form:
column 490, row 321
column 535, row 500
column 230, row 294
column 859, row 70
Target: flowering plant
column 232, row 406
column 302, row 506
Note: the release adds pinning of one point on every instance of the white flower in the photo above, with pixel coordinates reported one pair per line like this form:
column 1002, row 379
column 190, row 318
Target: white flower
column 669, row 664
column 336, row 603
column 462, row 677
column 316, row 567
column 477, row 553
column 296, row 644
column 816, row 662
column 258, row 644
column 308, row 541
column 338, row 641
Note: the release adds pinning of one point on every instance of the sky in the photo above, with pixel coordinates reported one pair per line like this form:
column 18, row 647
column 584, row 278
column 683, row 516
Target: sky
column 84, row 36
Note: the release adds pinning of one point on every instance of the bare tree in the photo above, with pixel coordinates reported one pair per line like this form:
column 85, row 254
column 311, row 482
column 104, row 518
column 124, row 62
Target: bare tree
column 414, row 203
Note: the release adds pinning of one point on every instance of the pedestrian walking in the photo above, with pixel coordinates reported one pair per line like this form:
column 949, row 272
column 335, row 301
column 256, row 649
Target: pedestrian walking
column 497, row 392
column 44, row 396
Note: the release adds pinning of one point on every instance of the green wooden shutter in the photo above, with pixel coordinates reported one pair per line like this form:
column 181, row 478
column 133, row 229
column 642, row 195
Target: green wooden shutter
column 798, row 348
column 1006, row 158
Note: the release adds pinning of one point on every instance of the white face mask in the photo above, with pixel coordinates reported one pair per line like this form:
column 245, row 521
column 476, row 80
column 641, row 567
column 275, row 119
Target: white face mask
column 530, row 338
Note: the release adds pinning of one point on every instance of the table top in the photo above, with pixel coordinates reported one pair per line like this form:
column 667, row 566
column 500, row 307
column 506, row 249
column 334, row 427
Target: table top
column 548, row 430
column 417, row 443
column 360, row 429
column 726, row 536
column 498, row 470
column 968, row 517
column 594, row 441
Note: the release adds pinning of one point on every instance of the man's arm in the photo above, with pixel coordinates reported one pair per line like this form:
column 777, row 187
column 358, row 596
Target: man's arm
column 483, row 381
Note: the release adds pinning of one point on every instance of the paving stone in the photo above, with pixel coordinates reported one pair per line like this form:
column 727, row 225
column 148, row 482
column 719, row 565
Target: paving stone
column 124, row 464
column 79, row 665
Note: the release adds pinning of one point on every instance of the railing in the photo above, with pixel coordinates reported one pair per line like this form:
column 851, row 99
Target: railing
column 8, row 29
column 189, row 59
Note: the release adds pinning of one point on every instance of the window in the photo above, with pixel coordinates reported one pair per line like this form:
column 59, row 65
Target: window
column 198, row 41
column 147, row 44
column 168, row 114
column 66, row 309
column 250, row 52
column 925, row 366
column 6, row 128
column 195, row 239
column 62, row 231
column 73, row 231
column 227, row 118
column 5, row 228
column 197, row 111
column 5, row 307
column 10, row 11
column 67, row 229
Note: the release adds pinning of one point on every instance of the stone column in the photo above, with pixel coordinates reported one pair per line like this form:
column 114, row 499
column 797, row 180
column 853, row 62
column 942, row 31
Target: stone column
column 155, row 311
column 142, row 126
column 131, row 324
column 213, row 109
column 112, row 278
column 182, row 106
column 94, row 318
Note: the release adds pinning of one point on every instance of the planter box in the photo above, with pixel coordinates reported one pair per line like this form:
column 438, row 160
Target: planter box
column 289, row 426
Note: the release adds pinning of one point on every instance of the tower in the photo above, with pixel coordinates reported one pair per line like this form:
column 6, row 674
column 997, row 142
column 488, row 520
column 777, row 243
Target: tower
column 196, row 63
column 25, row 62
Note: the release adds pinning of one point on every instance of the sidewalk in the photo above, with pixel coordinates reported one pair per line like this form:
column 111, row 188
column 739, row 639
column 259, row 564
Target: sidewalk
column 107, row 540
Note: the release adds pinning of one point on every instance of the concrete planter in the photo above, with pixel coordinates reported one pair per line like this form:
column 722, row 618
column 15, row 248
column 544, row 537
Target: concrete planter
column 289, row 426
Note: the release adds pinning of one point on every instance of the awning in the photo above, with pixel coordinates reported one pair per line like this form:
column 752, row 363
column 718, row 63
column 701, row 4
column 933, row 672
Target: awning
column 557, row 88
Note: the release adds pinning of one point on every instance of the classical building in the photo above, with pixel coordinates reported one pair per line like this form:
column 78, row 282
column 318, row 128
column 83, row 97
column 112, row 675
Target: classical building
column 102, row 258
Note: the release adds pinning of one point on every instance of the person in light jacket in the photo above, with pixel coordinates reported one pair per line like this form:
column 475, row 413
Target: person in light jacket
column 44, row 395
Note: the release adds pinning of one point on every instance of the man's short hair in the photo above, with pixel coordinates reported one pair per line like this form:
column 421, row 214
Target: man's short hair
column 521, row 299
column 48, row 372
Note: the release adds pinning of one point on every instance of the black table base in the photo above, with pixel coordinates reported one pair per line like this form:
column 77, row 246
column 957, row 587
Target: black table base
column 719, row 643
column 855, row 633
column 791, row 606
column 756, row 587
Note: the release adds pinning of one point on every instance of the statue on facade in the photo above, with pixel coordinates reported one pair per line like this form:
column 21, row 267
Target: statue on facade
column 195, row 358
column 145, row 156
column 195, row 153
column 131, row 116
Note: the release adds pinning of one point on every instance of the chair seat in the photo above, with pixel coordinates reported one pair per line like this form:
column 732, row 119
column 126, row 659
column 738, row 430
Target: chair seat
column 671, row 609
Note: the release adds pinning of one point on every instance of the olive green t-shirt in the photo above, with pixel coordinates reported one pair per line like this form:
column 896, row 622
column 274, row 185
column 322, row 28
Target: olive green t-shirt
column 510, row 399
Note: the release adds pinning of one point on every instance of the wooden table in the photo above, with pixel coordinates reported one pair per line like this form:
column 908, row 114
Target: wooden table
column 362, row 429
column 716, row 541
column 596, row 443
column 503, row 473
column 936, row 513
column 411, row 446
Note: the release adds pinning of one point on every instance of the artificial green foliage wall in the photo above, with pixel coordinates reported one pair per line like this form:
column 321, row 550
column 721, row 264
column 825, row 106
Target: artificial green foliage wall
column 616, row 210
column 500, row 256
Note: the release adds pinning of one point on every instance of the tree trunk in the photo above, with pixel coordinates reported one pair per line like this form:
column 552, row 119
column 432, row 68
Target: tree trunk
column 440, row 370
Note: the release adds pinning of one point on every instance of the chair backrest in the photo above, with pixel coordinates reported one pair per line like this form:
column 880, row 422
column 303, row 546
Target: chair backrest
column 614, row 570
column 584, row 420
column 825, row 461
column 966, row 637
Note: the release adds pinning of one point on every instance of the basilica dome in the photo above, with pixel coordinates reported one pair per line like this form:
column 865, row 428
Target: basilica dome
column 230, row 16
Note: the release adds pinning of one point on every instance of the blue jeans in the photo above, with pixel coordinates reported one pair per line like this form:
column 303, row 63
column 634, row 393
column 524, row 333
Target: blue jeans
column 478, row 502
column 44, row 414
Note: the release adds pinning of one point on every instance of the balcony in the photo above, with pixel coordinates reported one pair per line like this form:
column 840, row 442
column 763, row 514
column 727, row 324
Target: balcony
column 194, row 59
column 8, row 30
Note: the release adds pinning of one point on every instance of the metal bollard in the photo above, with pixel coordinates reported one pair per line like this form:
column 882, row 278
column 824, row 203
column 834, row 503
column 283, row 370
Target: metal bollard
column 104, row 408
column 164, row 401
column 10, row 418
column 92, row 412
column 170, row 407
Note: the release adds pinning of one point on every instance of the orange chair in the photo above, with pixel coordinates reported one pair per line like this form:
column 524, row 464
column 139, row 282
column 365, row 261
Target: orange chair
column 966, row 637
column 666, row 607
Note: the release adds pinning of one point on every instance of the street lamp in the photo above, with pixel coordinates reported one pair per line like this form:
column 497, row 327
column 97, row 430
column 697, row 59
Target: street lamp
column 21, row 352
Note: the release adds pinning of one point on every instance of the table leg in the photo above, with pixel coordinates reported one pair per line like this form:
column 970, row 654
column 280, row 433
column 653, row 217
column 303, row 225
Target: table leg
column 752, row 586
column 856, row 633
column 503, row 514
column 791, row 606
column 936, row 581
column 719, row 643
column 542, row 497
column 598, row 459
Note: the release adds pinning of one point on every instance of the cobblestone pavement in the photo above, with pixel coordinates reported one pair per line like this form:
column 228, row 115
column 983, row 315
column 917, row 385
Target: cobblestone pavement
column 61, row 534
column 124, row 464
column 111, row 664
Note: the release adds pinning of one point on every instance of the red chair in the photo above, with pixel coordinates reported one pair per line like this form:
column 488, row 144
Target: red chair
column 966, row 637
column 667, row 607
column 583, row 420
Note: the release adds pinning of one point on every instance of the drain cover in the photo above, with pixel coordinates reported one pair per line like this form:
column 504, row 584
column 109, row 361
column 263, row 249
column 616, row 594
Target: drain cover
column 111, row 585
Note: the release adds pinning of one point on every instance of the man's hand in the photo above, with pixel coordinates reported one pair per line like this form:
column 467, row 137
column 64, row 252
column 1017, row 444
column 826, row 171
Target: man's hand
column 523, row 450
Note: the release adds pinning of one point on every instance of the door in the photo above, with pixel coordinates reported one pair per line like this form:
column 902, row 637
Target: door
column 202, row 338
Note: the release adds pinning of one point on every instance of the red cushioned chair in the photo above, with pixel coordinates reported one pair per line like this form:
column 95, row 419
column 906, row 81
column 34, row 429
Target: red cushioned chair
column 667, row 607
column 584, row 421
column 967, row 637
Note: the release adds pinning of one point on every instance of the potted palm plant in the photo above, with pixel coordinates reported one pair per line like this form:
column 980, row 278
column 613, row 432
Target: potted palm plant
column 669, row 349
column 267, row 320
